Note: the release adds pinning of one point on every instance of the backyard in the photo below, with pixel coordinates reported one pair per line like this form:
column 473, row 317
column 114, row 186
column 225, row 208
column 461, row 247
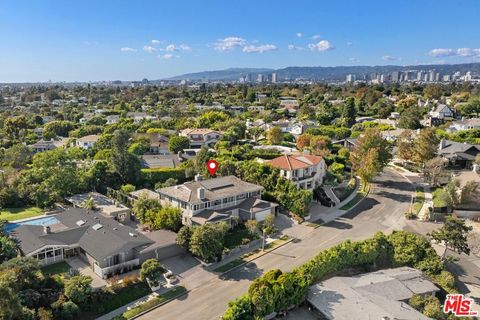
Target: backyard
column 12, row 214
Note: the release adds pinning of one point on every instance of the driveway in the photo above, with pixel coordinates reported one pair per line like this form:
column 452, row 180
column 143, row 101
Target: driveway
column 82, row 267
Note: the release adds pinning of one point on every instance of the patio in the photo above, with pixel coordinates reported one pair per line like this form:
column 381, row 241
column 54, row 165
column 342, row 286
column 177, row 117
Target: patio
column 78, row 264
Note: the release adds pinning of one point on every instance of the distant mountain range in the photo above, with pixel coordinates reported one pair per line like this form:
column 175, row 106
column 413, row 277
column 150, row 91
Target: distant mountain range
column 323, row 73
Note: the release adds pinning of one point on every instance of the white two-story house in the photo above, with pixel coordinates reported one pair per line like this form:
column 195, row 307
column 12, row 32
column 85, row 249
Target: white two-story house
column 201, row 137
column 217, row 199
column 305, row 170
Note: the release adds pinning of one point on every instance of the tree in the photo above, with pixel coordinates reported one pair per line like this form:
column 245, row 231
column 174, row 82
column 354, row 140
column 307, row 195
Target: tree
column 178, row 143
column 410, row 119
column 370, row 155
column 274, row 135
column 426, row 145
column 143, row 204
column 151, row 270
column 183, row 236
column 78, row 289
column 207, row 241
column 57, row 128
column 166, row 218
column 89, row 204
column 7, row 248
column 348, row 113
column 17, row 156
column 433, row 170
column 126, row 165
column 303, row 141
column 268, row 226
column 453, row 235
column 405, row 145
column 468, row 190
column 252, row 226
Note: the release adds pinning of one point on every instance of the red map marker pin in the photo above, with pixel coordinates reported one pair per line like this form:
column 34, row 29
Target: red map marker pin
column 212, row 167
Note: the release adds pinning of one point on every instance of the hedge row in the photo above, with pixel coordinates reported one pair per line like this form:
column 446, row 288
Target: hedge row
column 152, row 176
column 277, row 291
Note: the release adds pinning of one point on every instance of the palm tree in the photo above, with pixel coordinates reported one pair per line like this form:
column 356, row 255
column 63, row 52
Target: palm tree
column 89, row 204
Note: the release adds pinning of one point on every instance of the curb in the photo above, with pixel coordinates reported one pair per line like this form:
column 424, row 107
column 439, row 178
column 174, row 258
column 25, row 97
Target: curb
column 158, row 305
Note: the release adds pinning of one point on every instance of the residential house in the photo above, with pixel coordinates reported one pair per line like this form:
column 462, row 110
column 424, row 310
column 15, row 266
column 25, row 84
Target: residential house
column 217, row 199
column 461, row 155
column 107, row 246
column 112, row 119
column 348, row 143
column 442, row 111
column 158, row 142
column 87, row 142
column 201, row 137
column 305, row 170
column 43, row 145
column 464, row 124
column 256, row 108
column 103, row 204
column 157, row 161
column 382, row 294
column 140, row 116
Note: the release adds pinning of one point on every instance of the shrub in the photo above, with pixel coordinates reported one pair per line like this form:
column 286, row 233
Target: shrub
column 410, row 215
column 151, row 177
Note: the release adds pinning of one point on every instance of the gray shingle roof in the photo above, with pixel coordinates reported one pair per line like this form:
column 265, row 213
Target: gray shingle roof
column 374, row 295
column 112, row 238
column 216, row 188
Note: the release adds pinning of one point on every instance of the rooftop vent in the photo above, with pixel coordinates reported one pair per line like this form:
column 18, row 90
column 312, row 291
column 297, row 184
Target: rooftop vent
column 132, row 234
column 80, row 223
column 97, row 226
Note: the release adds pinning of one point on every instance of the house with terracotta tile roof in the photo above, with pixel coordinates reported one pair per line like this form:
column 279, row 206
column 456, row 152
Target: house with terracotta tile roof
column 305, row 170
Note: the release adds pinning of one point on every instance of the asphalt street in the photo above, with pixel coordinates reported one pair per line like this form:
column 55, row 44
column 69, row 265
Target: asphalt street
column 382, row 210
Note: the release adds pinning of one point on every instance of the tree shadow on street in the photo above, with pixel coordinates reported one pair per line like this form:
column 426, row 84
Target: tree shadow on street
column 249, row 271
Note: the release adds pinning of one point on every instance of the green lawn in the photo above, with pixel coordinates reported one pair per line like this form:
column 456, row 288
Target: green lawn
column 419, row 200
column 234, row 237
column 152, row 303
column 57, row 268
column 11, row 214
column 232, row 264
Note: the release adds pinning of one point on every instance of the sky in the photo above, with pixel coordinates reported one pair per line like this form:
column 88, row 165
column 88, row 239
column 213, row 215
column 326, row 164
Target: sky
column 98, row 40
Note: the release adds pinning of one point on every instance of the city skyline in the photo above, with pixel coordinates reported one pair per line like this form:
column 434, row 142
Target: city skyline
column 79, row 42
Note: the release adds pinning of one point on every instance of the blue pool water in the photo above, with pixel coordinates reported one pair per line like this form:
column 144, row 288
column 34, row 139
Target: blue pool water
column 44, row 221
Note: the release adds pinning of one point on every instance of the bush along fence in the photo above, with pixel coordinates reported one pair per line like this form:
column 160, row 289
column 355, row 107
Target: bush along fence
column 278, row 291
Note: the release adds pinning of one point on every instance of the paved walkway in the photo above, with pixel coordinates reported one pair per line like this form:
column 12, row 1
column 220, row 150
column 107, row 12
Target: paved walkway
column 84, row 268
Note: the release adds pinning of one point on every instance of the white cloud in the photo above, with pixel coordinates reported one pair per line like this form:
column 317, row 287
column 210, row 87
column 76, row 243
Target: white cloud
column 316, row 37
column 294, row 47
column 355, row 60
column 468, row 52
column 441, row 52
column 321, row 46
column 171, row 48
column 260, row 49
column 349, row 43
column 127, row 49
column 156, row 41
column 185, row 47
column 229, row 43
column 390, row 58
column 167, row 56
column 299, row 34
column 149, row 49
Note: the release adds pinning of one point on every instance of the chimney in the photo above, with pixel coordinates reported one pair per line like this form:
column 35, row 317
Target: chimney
column 46, row 229
column 198, row 177
column 201, row 193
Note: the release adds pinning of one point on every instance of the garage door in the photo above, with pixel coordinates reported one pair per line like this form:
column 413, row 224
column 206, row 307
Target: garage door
column 260, row 216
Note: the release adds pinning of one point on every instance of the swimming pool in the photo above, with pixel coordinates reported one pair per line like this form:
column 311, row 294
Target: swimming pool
column 44, row 221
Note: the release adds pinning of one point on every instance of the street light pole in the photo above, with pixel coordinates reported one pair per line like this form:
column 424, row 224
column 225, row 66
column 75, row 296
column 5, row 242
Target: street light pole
column 263, row 240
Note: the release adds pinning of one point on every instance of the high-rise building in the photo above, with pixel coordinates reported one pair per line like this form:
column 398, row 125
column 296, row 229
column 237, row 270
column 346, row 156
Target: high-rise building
column 350, row 78
column 395, row 76
column 260, row 78
column 431, row 76
column 274, row 77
